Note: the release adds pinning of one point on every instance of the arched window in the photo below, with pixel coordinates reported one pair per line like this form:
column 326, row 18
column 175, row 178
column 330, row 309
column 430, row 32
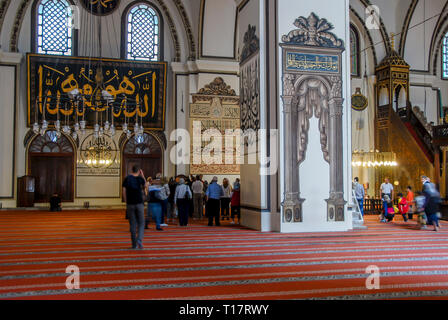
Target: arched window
column 354, row 52
column 445, row 57
column 142, row 33
column 53, row 33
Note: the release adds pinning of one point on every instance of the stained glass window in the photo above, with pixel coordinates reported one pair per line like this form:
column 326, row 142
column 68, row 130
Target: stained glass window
column 54, row 28
column 445, row 57
column 354, row 52
column 143, row 34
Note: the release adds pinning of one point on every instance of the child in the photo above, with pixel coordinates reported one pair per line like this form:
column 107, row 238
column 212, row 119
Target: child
column 420, row 210
column 235, row 203
column 390, row 209
column 403, row 206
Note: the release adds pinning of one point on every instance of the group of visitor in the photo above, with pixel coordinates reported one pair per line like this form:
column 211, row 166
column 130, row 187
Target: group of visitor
column 181, row 197
column 425, row 205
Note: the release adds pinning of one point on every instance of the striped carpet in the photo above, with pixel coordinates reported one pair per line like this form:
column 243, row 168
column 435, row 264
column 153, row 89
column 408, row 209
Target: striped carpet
column 214, row 263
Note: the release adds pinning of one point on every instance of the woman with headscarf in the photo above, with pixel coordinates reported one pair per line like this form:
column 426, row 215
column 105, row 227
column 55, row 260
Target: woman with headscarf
column 182, row 199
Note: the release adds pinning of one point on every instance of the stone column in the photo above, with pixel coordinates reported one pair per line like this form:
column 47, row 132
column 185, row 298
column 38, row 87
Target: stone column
column 336, row 202
column 292, row 205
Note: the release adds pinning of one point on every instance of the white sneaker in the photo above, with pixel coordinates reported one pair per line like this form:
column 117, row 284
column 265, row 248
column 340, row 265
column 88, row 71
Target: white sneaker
column 164, row 225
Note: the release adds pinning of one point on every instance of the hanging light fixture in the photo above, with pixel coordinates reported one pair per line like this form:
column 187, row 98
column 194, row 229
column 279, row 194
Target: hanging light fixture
column 374, row 159
column 101, row 103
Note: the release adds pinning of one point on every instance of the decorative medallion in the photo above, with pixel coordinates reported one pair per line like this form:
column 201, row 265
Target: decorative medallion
column 288, row 215
column 100, row 7
column 98, row 152
column 359, row 101
column 217, row 88
column 313, row 32
column 251, row 43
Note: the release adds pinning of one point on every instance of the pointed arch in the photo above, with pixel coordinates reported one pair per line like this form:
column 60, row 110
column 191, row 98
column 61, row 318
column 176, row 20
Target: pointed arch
column 142, row 32
column 355, row 53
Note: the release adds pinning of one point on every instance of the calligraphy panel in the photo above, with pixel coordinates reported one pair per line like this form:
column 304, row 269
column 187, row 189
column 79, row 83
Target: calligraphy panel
column 220, row 114
column 310, row 62
column 100, row 7
column 138, row 89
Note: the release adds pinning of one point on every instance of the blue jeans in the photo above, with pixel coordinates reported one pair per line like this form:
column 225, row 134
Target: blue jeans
column 361, row 206
column 155, row 211
column 136, row 215
column 433, row 219
column 385, row 208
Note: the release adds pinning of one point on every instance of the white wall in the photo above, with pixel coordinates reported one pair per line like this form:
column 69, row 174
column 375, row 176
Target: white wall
column 218, row 33
column 7, row 130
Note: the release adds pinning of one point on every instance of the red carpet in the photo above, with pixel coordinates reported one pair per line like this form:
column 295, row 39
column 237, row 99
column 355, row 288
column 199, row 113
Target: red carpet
column 214, row 263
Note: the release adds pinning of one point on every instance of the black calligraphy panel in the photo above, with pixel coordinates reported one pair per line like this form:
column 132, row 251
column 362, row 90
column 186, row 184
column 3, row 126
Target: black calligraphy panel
column 138, row 90
column 100, row 7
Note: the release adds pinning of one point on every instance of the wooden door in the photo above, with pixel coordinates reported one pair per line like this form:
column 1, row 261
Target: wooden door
column 54, row 174
column 145, row 152
column 51, row 162
column 150, row 165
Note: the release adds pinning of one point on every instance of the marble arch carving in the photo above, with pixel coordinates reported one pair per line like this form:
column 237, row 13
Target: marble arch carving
column 312, row 85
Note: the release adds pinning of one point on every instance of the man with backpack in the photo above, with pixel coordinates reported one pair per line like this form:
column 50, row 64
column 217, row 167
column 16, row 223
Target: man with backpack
column 133, row 194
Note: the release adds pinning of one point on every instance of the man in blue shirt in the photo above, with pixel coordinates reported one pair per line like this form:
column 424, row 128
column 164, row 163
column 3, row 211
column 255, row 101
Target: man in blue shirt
column 213, row 196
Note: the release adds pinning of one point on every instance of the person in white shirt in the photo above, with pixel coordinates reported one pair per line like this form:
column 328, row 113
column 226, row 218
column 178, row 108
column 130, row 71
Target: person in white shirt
column 225, row 199
column 198, row 198
column 360, row 194
column 386, row 189
column 182, row 198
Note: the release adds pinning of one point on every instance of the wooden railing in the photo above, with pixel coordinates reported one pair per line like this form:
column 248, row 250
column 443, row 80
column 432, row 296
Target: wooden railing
column 419, row 131
column 375, row 206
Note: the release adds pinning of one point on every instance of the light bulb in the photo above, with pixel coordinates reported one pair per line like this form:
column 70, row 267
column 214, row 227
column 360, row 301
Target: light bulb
column 77, row 127
column 44, row 125
column 83, row 124
column 57, row 125
column 36, row 128
column 66, row 129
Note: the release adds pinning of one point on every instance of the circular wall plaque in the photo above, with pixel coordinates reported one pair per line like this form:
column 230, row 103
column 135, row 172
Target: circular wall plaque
column 359, row 101
column 100, row 152
column 100, row 7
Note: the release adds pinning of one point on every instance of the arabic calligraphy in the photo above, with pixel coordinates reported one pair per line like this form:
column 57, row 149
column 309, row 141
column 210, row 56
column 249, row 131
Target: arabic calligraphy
column 312, row 62
column 100, row 7
column 136, row 90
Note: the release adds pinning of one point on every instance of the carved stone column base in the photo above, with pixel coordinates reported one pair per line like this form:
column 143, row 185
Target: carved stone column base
column 335, row 209
column 292, row 208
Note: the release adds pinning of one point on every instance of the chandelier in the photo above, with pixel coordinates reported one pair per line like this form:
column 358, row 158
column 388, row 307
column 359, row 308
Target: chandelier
column 92, row 109
column 374, row 159
column 98, row 153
